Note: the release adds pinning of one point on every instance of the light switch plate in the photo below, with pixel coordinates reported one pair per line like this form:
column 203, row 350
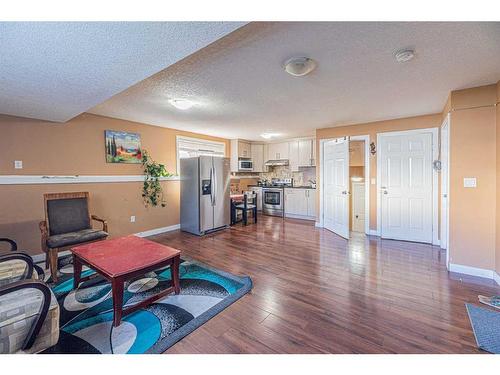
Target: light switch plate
column 374, row 181
column 470, row 182
column 132, row 219
column 18, row 164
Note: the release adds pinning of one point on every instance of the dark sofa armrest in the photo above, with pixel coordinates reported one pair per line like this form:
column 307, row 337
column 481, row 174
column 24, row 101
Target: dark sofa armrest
column 20, row 256
column 37, row 324
column 104, row 222
column 13, row 244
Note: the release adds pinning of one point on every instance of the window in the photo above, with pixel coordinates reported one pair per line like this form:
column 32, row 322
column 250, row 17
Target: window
column 192, row 147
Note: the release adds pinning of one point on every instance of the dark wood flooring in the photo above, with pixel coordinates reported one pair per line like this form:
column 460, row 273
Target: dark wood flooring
column 315, row 292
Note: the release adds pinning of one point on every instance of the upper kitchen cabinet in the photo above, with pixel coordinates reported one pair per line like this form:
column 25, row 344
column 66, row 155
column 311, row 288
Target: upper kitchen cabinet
column 239, row 149
column 257, row 152
column 301, row 153
column 306, row 153
column 278, row 151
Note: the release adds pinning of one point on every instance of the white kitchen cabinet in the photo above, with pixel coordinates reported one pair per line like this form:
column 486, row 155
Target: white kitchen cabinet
column 244, row 150
column 300, row 203
column 258, row 190
column 257, row 152
column 278, row 151
column 311, row 203
column 305, row 149
column 294, row 157
column 313, row 153
column 239, row 149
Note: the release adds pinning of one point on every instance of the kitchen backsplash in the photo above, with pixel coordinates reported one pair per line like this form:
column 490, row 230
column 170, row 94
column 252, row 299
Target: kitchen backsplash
column 300, row 178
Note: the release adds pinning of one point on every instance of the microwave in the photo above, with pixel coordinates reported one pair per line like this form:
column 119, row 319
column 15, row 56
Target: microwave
column 245, row 165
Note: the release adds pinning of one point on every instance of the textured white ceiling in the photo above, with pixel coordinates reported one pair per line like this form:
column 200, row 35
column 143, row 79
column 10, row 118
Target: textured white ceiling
column 241, row 90
column 57, row 70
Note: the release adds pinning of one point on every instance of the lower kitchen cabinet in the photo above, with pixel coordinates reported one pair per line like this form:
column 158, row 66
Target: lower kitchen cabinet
column 300, row 203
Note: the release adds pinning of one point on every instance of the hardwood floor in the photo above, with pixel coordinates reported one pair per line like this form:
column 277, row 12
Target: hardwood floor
column 315, row 292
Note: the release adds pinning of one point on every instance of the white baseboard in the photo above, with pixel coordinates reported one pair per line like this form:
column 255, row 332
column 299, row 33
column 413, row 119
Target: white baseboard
column 496, row 277
column 318, row 224
column 374, row 232
column 156, row 231
column 474, row 271
column 41, row 257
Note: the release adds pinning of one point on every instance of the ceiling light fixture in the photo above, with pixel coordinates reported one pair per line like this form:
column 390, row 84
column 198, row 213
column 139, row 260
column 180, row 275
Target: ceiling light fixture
column 404, row 55
column 269, row 135
column 299, row 66
column 182, row 104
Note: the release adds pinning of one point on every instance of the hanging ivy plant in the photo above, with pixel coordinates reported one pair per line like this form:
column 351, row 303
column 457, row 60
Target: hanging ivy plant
column 152, row 193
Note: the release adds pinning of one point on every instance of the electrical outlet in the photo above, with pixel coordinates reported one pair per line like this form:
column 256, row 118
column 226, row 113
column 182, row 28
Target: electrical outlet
column 132, row 219
column 18, row 164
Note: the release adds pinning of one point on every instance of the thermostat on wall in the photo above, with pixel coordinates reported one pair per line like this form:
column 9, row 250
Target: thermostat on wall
column 470, row 182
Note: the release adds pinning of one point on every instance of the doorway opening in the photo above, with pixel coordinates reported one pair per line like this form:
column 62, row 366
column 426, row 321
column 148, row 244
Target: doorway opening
column 357, row 188
column 344, row 173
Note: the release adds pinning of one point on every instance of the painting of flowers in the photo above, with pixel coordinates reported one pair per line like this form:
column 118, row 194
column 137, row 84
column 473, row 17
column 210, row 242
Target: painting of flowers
column 123, row 147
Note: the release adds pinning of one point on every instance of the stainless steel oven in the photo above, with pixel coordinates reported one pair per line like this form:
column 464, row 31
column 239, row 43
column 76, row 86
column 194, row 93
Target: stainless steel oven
column 245, row 165
column 272, row 201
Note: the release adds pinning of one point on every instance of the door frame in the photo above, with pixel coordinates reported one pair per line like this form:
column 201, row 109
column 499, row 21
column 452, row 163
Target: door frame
column 365, row 138
column 445, row 231
column 435, row 179
column 322, row 142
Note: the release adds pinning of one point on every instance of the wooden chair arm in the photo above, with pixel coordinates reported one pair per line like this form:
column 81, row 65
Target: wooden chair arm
column 104, row 222
column 45, row 234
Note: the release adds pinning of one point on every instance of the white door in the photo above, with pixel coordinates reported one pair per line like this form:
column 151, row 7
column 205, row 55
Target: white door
column 444, row 185
column 406, row 186
column 358, row 207
column 336, row 186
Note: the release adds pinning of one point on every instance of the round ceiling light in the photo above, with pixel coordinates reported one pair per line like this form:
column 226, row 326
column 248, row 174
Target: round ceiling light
column 404, row 55
column 299, row 66
column 181, row 104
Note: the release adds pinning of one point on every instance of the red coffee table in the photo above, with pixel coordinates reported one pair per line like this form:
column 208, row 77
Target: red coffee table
column 121, row 259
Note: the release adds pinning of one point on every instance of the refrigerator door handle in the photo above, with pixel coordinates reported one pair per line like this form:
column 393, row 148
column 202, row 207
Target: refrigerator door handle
column 212, row 186
column 214, row 201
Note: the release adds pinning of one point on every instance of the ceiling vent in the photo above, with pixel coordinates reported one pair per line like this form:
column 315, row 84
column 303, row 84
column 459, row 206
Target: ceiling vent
column 299, row 66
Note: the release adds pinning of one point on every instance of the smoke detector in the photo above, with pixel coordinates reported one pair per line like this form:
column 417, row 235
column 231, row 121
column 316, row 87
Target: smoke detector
column 299, row 66
column 404, row 55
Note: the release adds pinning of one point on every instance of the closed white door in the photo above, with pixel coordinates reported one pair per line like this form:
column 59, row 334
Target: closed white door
column 358, row 207
column 406, row 186
column 336, row 186
column 444, row 185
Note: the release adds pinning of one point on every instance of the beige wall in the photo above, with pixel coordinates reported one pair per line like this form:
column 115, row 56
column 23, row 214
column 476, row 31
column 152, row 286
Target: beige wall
column 473, row 154
column 371, row 129
column 77, row 147
column 497, row 255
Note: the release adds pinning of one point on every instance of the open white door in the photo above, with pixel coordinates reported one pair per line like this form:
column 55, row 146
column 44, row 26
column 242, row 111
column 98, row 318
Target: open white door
column 336, row 186
column 445, row 129
column 405, row 172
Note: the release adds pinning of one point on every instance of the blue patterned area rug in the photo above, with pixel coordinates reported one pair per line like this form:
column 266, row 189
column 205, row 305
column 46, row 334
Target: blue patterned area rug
column 87, row 313
column 486, row 326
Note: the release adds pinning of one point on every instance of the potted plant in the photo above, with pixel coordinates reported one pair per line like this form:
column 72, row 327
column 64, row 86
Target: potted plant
column 152, row 192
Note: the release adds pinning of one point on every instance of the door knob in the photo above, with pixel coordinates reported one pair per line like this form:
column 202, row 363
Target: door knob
column 385, row 192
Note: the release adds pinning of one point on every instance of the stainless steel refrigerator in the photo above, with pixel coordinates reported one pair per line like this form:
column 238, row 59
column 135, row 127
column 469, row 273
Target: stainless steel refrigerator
column 205, row 186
